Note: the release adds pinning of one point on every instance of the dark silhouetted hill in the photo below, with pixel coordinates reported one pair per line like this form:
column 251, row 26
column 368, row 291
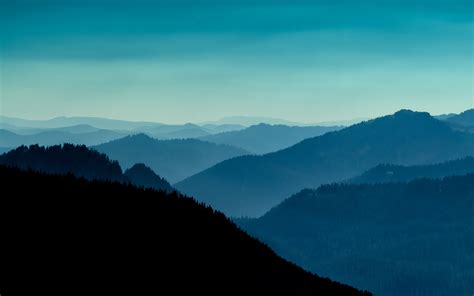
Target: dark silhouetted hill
column 264, row 138
column 173, row 159
column 253, row 184
column 392, row 239
column 386, row 173
column 68, row 236
column 141, row 175
column 62, row 159
column 82, row 162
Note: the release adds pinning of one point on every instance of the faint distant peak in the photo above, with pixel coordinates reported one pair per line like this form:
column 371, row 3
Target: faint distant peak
column 253, row 120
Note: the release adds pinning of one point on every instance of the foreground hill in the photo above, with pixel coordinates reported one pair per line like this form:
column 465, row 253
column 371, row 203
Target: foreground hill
column 70, row 236
column 62, row 159
column 414, row 239
column 386, row 173
column 264, row 138
column 173, row 159
column 252, row 185
column 81, row 162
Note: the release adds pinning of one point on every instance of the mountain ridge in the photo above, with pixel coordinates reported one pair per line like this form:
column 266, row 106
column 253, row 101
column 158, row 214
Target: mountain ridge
column 255, row 184
column 412, row 238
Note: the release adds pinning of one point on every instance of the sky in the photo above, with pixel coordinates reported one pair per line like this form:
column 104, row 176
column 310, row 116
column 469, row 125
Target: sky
column 179, row 61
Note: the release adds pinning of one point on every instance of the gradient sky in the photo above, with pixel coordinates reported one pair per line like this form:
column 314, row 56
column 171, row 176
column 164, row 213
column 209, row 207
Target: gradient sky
column 188, row 61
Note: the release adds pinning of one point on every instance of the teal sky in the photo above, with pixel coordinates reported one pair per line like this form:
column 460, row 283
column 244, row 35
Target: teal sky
column 190, row 61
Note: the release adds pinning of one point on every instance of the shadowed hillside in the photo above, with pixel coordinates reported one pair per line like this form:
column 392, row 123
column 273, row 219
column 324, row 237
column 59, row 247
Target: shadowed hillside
column 385, row 173
column 414, row 239
column 66, row 236
column 253, row 184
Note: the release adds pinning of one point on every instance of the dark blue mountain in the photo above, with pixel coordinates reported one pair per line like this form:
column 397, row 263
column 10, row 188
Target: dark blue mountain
column 393, row 239
column 173, row 159
column 264, row 138
column 251, row 185
column 69, row 236
column 386, row 173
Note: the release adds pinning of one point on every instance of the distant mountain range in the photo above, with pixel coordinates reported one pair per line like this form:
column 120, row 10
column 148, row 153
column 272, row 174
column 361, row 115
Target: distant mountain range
column 71, row 236
column 57, row 136
column 175, row 131
column 256, row 120
column 253, row 120
column 74, row 129
column 82, row 162
column 466, row 118
column 173, row 159
column 251, row 185
column 392, row 239
column 18, row 124
column 58, row 122
column 386, row 173
column 94, row 131
column 264, row 138
column 444, row 116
